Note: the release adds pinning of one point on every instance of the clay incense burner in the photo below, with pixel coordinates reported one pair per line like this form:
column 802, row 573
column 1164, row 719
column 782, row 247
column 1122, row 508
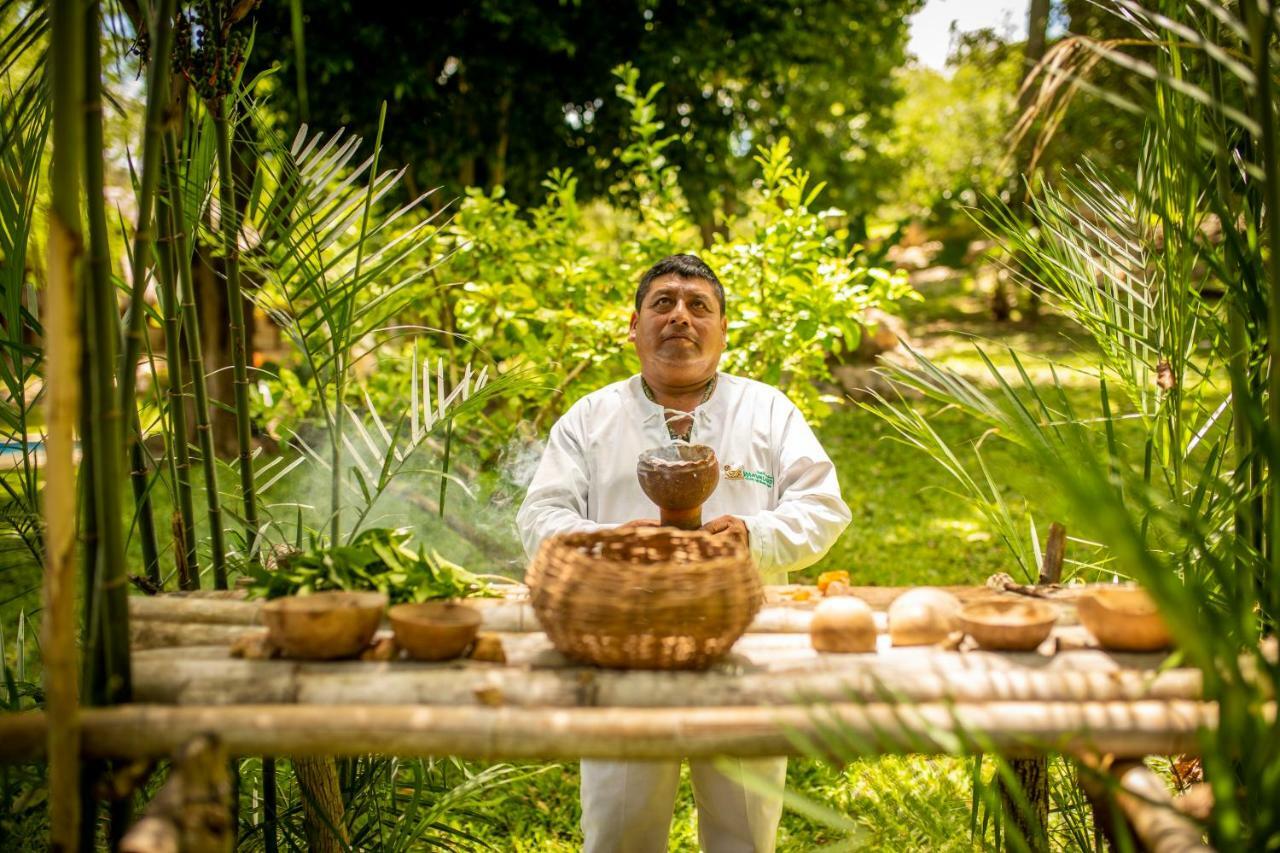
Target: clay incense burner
column 679, row 478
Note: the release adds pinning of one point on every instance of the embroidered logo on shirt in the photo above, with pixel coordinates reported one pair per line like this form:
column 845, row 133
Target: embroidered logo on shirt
column 735, row 472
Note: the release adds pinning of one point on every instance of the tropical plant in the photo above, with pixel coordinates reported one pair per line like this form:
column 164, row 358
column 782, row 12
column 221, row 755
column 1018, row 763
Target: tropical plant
column 1172, row 269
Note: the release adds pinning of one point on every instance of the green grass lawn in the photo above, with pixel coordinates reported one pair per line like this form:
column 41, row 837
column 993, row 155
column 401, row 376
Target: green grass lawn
column 908, row 528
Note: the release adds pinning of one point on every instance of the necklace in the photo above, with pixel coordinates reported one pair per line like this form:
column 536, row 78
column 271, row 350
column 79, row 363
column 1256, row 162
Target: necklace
column 706, row 395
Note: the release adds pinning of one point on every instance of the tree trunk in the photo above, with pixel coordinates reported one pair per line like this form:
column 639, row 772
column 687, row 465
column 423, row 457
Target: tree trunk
column 1037, row 38
column 322, row 802
column 1026, row 807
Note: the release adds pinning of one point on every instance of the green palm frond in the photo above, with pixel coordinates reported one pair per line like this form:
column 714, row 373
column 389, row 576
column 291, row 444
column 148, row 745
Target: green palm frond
column 305, row 213
column 24, row 129
column 383, row 446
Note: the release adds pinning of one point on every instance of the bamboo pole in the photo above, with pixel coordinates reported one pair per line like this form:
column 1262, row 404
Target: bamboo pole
column 160, row 33
column 166, row 267
column 186, row 678
column 101, row 439
column 139, row 479
column 1143, row 802
column 229, row 225
column 109, row 679
column 497, row 615
column 192, row 810
column 1123, row 729
column 195, row 354
column 61, row 737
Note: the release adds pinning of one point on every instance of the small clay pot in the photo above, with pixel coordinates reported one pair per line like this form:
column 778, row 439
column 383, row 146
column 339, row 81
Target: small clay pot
column 1124, row 619
column 843, row 624
column 1013, row 626
column 434, row 630
column 922, row 617
column 679, row 478
column 324, row 625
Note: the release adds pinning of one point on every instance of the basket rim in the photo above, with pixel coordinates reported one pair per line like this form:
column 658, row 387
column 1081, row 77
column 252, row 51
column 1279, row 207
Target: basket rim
column 574, row 538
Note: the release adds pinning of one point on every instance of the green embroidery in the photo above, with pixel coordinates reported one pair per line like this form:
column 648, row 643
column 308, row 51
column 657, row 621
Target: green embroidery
column 732, row 472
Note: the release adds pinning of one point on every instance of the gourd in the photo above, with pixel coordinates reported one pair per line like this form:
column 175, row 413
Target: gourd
column 843, row 624
column 922, row 617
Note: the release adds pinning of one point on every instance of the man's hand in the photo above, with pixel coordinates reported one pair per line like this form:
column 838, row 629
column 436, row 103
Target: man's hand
column 729, row 525
column 640, row 522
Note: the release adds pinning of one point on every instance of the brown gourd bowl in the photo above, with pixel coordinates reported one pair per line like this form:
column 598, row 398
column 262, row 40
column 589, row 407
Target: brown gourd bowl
column 678, row 476
column 434, row 630
column 324, row 625
column 1014, row 626
column 1124, row 619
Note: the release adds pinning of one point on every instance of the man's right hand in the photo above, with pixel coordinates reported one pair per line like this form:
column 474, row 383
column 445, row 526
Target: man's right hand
column 641, row 522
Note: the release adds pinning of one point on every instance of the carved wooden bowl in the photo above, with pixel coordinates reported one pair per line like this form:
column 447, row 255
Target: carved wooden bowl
column 1124, row 619
column 434, row 630
column 679, row 478
column 1007, row 625
column 324, row 625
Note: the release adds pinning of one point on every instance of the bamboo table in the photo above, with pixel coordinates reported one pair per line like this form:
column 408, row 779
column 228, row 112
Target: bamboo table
column 772, row 695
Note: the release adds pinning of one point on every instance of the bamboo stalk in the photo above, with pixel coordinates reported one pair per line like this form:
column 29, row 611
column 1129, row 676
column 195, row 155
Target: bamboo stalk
column 196, row 369
column 139, row 479
column 108, row 441
column 160, row 33
column 1124, row 729
column 1260, row 30
column 167, row 273
column 61, row 737
column 229, row 225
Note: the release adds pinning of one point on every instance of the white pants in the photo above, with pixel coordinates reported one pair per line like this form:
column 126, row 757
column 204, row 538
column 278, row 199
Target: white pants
column 627, row 806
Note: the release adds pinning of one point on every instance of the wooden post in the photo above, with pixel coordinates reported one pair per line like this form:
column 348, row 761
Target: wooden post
column 1028, row 808
column 1054, row 551
column 192, row 811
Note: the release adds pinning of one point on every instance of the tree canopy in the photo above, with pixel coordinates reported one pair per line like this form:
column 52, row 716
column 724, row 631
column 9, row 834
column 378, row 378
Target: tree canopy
column 499, row 92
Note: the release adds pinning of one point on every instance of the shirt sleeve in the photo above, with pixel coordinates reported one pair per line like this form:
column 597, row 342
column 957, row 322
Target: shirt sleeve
column 556, row 501
column 810, row 514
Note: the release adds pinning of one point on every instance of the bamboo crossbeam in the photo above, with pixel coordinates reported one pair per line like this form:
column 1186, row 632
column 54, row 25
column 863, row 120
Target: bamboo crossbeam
column 513, row 613
column 1129, row 729
column 538, row 677
column 512, row 609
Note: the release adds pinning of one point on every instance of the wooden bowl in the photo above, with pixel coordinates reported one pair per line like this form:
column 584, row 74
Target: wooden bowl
column 324, row 625
column 1124, row 619
column 1015, row 626
column 434, row 630
column 922, row 617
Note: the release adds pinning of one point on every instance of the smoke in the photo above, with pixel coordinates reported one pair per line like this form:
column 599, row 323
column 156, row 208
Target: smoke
column 519, row 461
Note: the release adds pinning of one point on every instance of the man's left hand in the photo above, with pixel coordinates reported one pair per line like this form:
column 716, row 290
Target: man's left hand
column 728, row 525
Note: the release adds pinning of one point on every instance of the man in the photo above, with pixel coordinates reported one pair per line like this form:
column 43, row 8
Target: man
column 778, row 492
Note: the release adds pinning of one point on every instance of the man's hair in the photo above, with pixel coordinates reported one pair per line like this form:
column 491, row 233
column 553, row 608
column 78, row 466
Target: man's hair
column 684, row 266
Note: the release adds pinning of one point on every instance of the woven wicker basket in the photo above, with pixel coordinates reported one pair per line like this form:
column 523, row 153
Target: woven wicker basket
column 644, row 598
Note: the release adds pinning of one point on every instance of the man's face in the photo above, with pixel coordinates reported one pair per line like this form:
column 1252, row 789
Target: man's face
column 679, row 331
